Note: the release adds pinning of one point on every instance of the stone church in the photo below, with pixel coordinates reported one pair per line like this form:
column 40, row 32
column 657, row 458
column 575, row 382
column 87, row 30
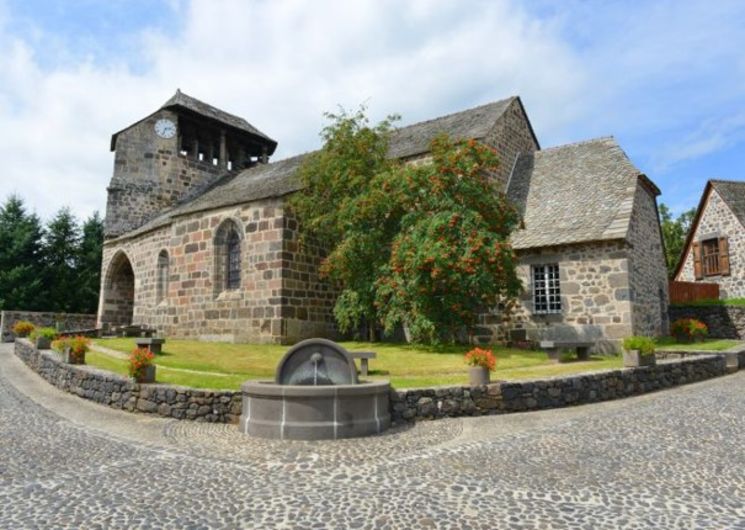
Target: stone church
column 199, row 242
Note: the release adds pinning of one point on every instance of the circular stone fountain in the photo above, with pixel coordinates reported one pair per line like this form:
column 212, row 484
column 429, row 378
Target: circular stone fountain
column 315, row 395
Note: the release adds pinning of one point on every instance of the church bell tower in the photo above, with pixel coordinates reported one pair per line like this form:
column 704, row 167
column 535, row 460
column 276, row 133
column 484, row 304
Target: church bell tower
column 173, row 155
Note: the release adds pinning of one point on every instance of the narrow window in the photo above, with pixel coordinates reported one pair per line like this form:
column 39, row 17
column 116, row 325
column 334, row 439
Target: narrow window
column 233, row 272
column 546, row 289
column 161, row 287
column 710, row 257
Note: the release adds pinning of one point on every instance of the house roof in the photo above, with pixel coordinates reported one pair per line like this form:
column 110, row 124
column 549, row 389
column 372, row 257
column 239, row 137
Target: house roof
column 732, row 193
column 574, row 193
column 278, row 178
column 185, row 102
column 469, row 124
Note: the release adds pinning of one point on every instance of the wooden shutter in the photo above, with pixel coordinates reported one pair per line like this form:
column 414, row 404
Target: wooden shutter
column 698, row 271
column 723, row 256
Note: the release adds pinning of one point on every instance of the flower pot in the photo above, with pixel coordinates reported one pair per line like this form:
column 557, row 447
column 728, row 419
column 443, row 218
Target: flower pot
column 43, row 343
column 71, row 358
column 478, row 375
column 634, row 359
column 147, row 375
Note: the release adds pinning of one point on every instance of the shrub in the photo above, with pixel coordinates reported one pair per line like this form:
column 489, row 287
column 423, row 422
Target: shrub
column 644, row 345
column 47, row 333
column 567, row 356
column 22, row 328
column 59, row 345
column 139, row 360
column 481, row 357
column 689, row 329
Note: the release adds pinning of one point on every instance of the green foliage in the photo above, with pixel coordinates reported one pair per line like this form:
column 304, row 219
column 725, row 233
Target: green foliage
column 52, row 269
column 710, row 302
column 420, row 245
column 20, row 253
column 47, row 333
column 645, row 345
column 674, row 232
column 689, row 329
column 567, row 356
column 60, row 261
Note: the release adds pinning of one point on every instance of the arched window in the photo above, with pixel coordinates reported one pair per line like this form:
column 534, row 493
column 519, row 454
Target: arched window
column 161, row 278
column 233, row 272
column 228, row 241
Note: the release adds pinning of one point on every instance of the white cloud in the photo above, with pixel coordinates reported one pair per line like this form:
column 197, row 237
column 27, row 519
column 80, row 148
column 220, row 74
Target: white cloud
column 280, row 65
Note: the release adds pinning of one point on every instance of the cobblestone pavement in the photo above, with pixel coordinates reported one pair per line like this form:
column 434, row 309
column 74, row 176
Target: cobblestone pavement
column 667, row 460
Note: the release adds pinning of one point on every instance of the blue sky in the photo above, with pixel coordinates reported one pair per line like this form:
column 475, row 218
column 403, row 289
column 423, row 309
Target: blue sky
column 667, row 79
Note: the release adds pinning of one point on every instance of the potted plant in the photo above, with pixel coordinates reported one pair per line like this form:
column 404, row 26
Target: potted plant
column 141, row 366
column 481, row 362
column 75, row 352
column 638, row 351
column 688, row 330
column 43, row 337
column 23, row 328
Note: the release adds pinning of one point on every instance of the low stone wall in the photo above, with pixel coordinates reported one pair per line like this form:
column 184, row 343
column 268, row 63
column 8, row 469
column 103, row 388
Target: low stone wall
column 724, row 322
column 120, row 392
column 505, row 397
column 61, row 321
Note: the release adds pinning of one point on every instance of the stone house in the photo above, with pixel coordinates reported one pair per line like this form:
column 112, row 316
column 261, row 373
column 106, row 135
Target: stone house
column 714, row 250
column 199, row 242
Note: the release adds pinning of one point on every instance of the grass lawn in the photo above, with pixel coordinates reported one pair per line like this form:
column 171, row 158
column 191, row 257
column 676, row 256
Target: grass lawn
column 184, row 362
column 668, row 343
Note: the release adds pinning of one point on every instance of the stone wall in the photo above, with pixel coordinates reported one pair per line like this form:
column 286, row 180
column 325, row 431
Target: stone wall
column 717, row 220
column 505, row 397
column 122, row 393
column 724, row 322
column 647, row 270
column 150, row 175
column 510, row 136
column 61, row 321
column 280, row 298
column 595, row 297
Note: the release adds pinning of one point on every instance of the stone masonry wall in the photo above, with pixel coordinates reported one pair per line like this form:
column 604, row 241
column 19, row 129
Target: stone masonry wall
column 150, row 176
column 119, row 392
column 505, row 397
column 61, row 321
column 718, row 220
column 510, row 135
column 279, row 294
column 595, row 297
column 724, row 322
column 647, row 271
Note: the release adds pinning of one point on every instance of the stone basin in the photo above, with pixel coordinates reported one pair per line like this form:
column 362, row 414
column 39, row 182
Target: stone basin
column 307, row 412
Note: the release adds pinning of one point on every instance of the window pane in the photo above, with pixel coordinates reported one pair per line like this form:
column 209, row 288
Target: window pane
column 233, row 273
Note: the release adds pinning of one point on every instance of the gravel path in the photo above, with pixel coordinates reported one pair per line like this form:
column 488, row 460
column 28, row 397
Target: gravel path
column 667, row 460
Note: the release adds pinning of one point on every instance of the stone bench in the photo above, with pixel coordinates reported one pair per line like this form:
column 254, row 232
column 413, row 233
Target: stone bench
column 553, row 347
column 155, row 345
column 364, row 357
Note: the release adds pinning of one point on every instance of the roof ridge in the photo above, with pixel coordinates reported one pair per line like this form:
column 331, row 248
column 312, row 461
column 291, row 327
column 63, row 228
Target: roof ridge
column 438, row 118
column 174, row 100
column 727, row 181
column 580, row 142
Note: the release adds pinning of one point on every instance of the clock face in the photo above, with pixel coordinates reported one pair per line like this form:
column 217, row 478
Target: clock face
column 165, row 128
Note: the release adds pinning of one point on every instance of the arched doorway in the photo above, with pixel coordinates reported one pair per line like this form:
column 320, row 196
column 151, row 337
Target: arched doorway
column 118, row 292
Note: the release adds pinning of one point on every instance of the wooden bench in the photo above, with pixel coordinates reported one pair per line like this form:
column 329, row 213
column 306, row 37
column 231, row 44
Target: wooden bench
column 364, row 357
column 553, row 347
column 155, row 345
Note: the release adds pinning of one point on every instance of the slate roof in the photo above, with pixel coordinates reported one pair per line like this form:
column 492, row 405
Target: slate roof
column 277, row 178
column 732, row 192
column 183, row 101
column 573, row 193
column 469, row 124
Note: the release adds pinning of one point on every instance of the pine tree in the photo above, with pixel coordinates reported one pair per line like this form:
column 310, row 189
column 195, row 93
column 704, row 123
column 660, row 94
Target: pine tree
column 61, row 262
column 89, row 264
column 21, row 235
